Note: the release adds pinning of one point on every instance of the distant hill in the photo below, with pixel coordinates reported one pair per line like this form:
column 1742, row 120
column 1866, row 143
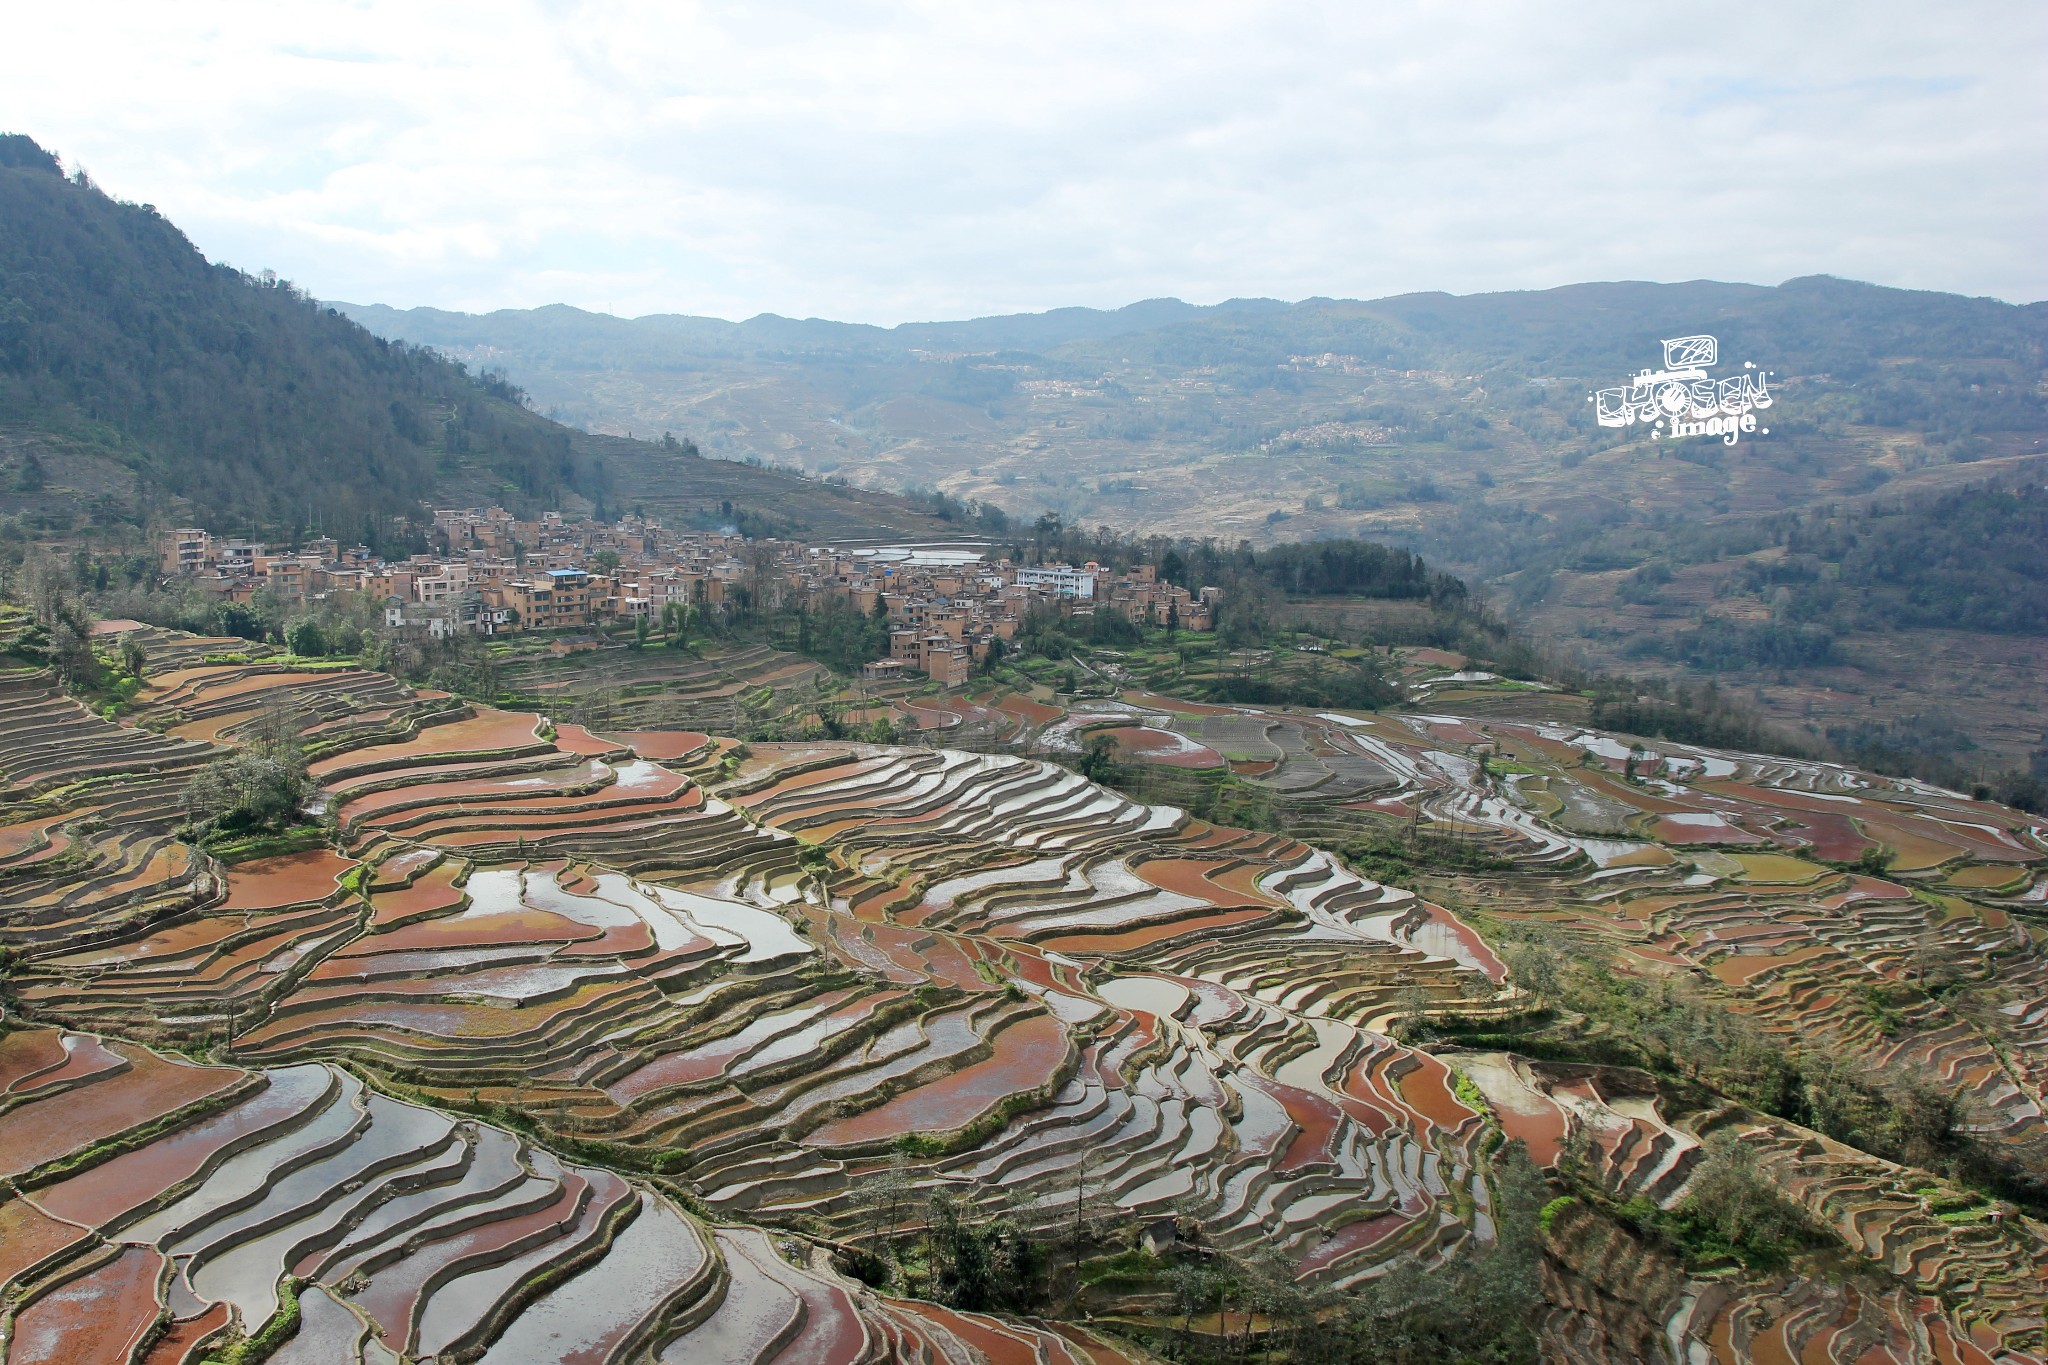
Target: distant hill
column 138, row 380
column 1457, row 426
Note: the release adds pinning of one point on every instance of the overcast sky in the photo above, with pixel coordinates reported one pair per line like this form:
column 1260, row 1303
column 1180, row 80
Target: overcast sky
column 883, row 163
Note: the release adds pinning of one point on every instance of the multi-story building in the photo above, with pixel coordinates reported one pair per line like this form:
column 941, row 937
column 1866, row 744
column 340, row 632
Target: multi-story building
column 1062, row 580
column 495, row 573
column 187, row 550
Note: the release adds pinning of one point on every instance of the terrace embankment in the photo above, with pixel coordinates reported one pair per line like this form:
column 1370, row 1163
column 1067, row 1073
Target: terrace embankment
column 544, row 976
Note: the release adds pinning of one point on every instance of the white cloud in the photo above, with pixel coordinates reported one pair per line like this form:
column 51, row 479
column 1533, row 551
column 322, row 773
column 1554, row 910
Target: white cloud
column 883, row 163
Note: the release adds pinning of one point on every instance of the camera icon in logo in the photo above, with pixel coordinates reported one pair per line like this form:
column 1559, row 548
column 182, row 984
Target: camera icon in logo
column 1691, row 353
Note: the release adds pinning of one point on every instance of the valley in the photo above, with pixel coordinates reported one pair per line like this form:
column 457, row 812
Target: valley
column 1261, row 832
column 1458, row 427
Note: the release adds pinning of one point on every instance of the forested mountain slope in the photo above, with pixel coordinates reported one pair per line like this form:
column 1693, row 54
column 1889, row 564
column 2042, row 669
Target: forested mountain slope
column 138, row 379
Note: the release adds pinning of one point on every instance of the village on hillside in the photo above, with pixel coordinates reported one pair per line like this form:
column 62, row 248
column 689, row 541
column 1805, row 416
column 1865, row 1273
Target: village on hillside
column 492, row 574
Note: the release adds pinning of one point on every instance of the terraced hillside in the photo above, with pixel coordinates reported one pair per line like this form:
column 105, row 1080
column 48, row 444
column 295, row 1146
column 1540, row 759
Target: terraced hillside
column 589, row 1044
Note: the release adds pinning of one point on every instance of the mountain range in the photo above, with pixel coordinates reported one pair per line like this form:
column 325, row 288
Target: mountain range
column 1460, row 427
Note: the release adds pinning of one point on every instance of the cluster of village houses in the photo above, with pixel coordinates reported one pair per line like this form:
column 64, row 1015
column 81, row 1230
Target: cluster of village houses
column 491, row 574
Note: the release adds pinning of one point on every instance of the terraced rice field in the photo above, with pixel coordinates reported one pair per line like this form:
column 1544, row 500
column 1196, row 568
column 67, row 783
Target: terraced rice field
column 578, row 1046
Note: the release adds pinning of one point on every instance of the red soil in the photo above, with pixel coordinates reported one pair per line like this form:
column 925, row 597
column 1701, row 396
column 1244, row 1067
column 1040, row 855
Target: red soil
column 627, row 940
column 1984, row 844
column 1386, row 805
column 27, row 1051
column 1315, row 1120
column 1621, row 791
column 997, row 1342
column 1147, row 935
column 1026, row 1057
column 1738, row 970
column 1426, row 1087
column 662, row 744
column 523, row 926
column 487, row 732
column 1196, row 877
column 597, row 820
column 1153, row 702
column 511, row 786
column 1866, row 889
column 1665, row 831
column 1541, row 1125
column 114, row 1187
column 832, row 1333
column 347, row 1016
column 296, row 878
column 1038, row 713
column 37, row 1133
column 174, row 1347
column 1090, row 1350
column 1832, row 838
column 945, row 963
column 176, row 941
column 87, row 1057
column 1351, row 1238
column 578, row 740
column 208, row 731
column 98, row 1317
column 27, row 1235
column 430, row 893
column 492, row 818
column 796, row 782
column 691, row 1067
column 930, row 718
column 1456, row 732
column 16, row 840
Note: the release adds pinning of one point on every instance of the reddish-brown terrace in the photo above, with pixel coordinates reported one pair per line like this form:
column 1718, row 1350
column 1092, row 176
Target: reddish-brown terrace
column 1025, row 1057
column 113, row 1187
column 487, row 732
column 28, row 1052
column 150, row 1086
column 1037, row 713
column 293, row 879
column 28, row 1236
column 99, row 1316
column 660, row 745
column 1145, row 936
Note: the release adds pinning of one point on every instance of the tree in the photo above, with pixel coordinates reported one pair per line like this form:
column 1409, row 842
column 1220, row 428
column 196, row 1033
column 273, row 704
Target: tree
column 236, row 618
column 1098, row 761
column 134, row 658
column 305, row 638
column 247, row 790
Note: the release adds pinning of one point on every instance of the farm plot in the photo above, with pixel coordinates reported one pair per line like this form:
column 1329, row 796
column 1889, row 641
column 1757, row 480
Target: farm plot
column 568, row 973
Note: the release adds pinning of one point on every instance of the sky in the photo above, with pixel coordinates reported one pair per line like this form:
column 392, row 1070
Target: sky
column 899, row 162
